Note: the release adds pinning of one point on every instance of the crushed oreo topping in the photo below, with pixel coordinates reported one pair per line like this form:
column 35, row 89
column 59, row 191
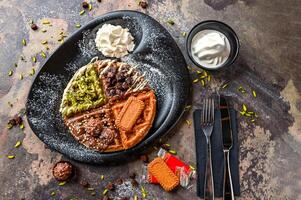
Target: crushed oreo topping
column 143, row 4
column 94, row 129
column 120, row 78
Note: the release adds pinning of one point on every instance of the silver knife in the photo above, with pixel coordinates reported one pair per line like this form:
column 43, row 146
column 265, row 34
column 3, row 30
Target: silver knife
column 227, row 145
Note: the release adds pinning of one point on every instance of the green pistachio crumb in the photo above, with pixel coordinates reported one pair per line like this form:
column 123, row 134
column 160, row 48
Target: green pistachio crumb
column 225, row 85
column 11, row 156
column 62, row 183
column 9, row 126
column 241, row 89
column 45, row 21
column 188, row 107
column 34, row 59
column 242, row 113
column 32, row 72
column 170, row 22
column 43, row 54
column 143, row 191
column 172, row 152
column 82, row 12
column 21, row 126
column 18, row 144
column 10, row 73
column 24, row 42
column 244, row 107
column 188, row 122
column 203, row 82
column 105, row 192
column 248, row 114
column 209, row 78
column 191, row 167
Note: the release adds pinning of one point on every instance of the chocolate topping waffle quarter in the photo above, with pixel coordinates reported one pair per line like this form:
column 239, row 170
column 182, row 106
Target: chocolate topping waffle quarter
column 108, row 106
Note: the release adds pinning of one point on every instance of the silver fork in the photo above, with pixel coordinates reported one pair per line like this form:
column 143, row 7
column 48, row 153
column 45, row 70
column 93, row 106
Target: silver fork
column 207, row 121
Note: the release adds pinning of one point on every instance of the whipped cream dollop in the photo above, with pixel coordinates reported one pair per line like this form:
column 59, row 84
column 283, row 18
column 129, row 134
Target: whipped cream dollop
column 210, row 48
column 114, row 41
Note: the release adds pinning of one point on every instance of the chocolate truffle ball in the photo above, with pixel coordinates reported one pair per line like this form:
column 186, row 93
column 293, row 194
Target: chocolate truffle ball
column 62, row 170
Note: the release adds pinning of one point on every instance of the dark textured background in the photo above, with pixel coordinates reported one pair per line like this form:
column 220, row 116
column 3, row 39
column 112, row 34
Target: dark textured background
column 269, row 62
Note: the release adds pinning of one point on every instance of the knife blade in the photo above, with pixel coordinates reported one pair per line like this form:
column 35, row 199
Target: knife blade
column 227, row 145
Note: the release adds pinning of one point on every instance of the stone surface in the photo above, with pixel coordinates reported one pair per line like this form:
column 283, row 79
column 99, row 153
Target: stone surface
column 269, row 63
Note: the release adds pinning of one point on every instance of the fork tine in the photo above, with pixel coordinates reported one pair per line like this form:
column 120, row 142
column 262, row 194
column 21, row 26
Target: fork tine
column 203, row 113
column 208, row 111
column 212, row 110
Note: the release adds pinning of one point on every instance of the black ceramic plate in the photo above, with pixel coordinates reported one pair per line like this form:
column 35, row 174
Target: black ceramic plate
column 156, row 54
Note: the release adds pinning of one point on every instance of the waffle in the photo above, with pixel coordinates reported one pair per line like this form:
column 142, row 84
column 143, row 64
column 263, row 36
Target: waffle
column 124, row 110
column 143, row 123
column 95, row 129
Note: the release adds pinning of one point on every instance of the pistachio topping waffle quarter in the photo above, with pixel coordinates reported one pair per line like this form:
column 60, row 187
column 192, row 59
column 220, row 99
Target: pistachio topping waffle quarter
column 83, row 92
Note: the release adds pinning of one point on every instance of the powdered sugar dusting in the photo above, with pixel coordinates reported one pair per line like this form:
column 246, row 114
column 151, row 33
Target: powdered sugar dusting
column 87, row 45
column 126, row 189
column 43, row 107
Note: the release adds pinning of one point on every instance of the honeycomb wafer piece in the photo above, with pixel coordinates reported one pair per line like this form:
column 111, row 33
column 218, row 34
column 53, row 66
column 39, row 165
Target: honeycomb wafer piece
column 159, row 169
column 129, row 114
column 143, row 123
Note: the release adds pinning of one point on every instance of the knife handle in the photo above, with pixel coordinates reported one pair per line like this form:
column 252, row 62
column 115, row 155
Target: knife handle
column 209, row 184
column 228, row 186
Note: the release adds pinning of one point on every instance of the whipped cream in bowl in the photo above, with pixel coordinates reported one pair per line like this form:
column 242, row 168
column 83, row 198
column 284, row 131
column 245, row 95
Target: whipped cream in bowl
column 212, row 45
column 114, row 41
